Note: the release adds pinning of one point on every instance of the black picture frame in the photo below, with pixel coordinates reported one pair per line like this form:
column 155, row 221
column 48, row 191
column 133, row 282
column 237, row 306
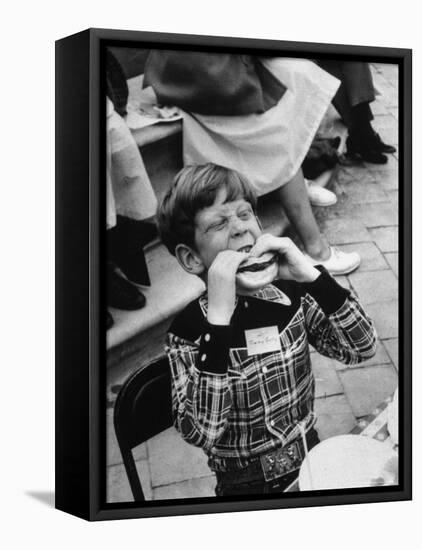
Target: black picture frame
column 80, row 288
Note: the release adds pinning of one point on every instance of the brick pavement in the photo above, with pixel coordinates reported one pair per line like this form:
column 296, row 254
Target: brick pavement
column 364, row 219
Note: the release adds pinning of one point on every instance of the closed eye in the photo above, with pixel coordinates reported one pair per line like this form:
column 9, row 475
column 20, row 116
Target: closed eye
column 245, row 214
column 217, row 225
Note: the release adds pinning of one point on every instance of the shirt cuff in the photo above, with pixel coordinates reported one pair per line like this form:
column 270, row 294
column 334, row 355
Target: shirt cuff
column 214, row 349
column 327, row 292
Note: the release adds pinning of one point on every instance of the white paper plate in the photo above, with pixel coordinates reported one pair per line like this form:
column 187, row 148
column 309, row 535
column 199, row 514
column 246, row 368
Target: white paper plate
column 345, row 461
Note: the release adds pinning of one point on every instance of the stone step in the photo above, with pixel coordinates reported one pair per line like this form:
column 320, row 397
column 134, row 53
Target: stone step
column 172, row 288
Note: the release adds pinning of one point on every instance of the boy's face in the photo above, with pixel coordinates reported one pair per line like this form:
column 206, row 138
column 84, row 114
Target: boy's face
column 225, row 226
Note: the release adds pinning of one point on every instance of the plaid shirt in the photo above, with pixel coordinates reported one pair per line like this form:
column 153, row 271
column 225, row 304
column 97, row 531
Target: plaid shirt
column 238, row 406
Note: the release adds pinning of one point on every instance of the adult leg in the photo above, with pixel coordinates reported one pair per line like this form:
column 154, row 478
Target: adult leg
column 356, row 87
column 294, row 198
column 352, row 102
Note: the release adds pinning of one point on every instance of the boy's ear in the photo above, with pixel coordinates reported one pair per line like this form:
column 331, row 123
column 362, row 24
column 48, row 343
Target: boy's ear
column 189, row 259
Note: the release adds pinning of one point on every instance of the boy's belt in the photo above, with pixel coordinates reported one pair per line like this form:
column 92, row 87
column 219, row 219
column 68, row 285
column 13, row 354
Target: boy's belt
column 271, row 465
column 283, row 461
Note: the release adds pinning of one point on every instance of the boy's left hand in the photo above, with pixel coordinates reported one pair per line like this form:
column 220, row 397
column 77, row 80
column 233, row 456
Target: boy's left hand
column 293, row 265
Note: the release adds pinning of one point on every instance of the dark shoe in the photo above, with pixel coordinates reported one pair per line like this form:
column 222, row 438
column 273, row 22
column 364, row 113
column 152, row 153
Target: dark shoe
column 109, row 321
column 380, row 146
column 357, row 150
column 122, row 294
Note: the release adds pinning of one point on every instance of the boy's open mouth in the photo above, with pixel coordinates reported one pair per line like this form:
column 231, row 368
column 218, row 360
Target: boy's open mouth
column 257, row 264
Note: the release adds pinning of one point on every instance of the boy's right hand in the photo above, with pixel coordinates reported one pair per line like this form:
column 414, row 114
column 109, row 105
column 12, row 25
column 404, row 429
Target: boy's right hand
column 222, row 286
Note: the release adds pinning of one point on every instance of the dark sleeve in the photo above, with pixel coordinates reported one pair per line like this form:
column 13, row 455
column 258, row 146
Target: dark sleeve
column 214, row 349
column 326, row 291
column 336, row 323
column 198, row 354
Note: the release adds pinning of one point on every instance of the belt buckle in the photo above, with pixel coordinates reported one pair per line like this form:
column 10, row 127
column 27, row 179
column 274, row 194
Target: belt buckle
column 281, row 462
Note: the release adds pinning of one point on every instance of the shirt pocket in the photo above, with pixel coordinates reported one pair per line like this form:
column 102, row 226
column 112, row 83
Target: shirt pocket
column 295, row 350
column 244, row 383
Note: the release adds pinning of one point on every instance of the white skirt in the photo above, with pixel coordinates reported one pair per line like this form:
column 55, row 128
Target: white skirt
column 268, row 148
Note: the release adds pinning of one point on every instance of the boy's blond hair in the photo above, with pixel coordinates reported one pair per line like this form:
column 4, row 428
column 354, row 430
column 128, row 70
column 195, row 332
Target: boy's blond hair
column 193, row 189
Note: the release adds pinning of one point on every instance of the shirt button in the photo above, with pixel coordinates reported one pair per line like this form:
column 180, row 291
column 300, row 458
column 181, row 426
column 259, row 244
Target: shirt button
column 264, row 370
column 203, row 357
column 207, row 337
column 246, row 304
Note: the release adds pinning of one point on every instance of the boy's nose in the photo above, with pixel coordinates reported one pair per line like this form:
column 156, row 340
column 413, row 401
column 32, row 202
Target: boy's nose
column 238, row 227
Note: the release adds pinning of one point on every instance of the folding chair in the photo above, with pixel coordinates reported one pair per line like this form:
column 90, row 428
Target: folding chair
column 142, row 410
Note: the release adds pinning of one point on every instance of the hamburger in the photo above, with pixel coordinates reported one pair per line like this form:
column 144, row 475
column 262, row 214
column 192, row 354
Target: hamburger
column 254, row 273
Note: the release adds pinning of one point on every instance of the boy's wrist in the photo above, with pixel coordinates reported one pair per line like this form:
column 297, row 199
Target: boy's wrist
column 220, row 310
column 218, row 318
column 309, row 275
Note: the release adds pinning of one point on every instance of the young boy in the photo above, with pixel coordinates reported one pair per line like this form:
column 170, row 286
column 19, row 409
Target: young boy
column 243, row 387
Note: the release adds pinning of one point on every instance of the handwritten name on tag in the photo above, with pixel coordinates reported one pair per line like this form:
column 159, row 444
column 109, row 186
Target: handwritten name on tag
column 262, row 340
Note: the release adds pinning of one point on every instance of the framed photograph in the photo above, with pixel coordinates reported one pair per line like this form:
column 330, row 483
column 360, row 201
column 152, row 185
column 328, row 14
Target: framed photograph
column 233, row 274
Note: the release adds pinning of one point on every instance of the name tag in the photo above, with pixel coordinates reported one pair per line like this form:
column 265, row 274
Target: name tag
column 262, row 340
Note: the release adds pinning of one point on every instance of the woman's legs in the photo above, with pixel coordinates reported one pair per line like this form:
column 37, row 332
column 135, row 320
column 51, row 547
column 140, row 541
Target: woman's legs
column 352, row 101
column 356, row 86
column 294, row 197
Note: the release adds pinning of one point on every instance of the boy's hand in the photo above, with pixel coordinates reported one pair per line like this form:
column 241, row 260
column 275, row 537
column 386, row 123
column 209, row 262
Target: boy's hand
column 222, row 286
column 292, row 263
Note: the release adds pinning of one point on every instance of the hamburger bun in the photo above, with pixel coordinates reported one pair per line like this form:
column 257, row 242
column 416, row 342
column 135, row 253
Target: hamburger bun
column 255, row 273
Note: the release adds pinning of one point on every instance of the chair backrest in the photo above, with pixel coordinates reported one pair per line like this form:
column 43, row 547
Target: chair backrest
column 143, row 409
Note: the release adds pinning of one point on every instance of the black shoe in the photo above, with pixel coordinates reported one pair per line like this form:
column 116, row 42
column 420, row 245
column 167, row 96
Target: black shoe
column 122, row 294
column 380, row 146
column 357, row 150
column 109, row 321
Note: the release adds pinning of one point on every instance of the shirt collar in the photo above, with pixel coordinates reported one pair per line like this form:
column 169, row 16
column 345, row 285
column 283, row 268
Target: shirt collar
column 269, row 293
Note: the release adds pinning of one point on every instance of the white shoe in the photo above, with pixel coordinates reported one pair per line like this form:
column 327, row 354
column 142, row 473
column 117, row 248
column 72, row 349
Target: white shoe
column 339, row 263
column 319, row 196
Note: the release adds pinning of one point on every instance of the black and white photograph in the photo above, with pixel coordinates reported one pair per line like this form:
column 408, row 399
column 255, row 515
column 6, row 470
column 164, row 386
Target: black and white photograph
column 210, row 275
column 252, row 272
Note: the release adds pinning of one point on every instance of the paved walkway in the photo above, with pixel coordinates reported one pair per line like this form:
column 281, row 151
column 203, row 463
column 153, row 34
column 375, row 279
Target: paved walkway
column 365, row 219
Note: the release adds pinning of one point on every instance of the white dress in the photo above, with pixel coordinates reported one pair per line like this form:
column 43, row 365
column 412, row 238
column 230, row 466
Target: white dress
column 129, row 190
column 268, row 148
